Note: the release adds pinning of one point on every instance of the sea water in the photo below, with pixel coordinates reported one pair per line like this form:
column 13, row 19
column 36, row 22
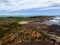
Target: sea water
column 54, row 21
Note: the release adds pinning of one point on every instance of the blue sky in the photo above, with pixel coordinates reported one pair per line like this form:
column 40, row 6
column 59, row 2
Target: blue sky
column 29, row 7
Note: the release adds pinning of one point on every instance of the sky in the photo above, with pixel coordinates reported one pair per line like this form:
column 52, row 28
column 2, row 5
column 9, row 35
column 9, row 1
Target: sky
column 29, row 7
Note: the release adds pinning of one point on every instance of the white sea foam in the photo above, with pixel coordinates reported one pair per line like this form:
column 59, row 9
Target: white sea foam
column 55, row 20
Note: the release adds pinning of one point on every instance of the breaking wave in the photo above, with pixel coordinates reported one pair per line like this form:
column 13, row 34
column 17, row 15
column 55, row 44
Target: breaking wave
column 55, row 20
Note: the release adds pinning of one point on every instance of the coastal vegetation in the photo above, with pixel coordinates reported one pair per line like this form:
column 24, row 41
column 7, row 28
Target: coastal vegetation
column 12, row 32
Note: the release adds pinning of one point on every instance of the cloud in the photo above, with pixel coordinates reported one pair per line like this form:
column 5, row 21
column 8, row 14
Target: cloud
column 18, row 5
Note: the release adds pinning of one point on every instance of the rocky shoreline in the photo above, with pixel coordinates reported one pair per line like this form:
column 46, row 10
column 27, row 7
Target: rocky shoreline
column 20, row 32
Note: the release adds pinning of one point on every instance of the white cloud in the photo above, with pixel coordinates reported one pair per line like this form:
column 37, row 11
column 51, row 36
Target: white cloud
column 17, row 5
